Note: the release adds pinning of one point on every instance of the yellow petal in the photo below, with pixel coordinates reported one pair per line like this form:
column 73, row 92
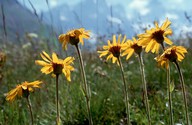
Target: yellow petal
column 119, row 39
column 130, row 54
column 166, row 24
column 114, row 40
column 46, row 57
column 69, row 60
column 168, row 32
column 168, row 41
column 148, row 48
column 55, row 58
column 47, row 69
column 41, row 63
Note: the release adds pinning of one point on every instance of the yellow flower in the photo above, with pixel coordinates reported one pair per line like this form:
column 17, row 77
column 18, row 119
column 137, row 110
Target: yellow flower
column 22, row 89
column 130, row 47
column 155, row 37
column 113, row 50
column 172, row 54
column 55, row 65
column 74, row 37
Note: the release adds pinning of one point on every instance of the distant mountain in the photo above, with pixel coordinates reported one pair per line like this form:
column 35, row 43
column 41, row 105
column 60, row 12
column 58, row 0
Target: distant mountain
column 18, row 20
column 100, row 18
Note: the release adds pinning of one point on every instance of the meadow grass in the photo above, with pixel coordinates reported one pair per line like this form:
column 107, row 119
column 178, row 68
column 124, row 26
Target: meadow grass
column 104, row 79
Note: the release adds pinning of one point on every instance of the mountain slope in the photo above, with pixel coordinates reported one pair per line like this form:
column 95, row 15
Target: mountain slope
column 18, row 19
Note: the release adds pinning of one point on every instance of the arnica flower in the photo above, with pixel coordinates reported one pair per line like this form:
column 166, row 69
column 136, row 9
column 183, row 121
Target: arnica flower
column 74, row 37
column 113, row 50
column 55, row 65
column 172, row 54
column 155, row 37
column 22, row 89
column 130, row 47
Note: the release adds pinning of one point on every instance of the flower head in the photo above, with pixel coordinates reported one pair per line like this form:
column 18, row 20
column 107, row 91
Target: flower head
column 55, row 65
column 113, row 50
column 22, row 89
column 152, row 39
column 172, row 54
column 130, row 47
column 74, row 37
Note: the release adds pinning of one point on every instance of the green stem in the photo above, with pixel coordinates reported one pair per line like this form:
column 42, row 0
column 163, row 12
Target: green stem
column 57, row 100
column 169, row 97
column 169, row 93
column 145, row 88
column 86, row 88
column 125, row 92
column 30, row 109
column 184, row 92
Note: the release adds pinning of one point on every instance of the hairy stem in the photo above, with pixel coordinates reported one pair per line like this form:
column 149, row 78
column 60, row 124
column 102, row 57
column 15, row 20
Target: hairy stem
column 125, row 92
column 57, row 100
column 145, row 88
column 86, row 88
column 169, row 97
column 184, row 92
column 30, row 109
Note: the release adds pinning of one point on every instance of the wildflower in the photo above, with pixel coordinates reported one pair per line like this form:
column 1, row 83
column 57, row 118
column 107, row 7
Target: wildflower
column 130, row 47
column 74, row 37
column 22, row 89
column 113, row 50
column 172, row 54
column 155, row 37
column 55, row 65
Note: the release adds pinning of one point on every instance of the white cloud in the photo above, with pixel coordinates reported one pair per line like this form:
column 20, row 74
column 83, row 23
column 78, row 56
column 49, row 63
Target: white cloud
column 186, row 29
column 140, row 6
column 114, row 20
column 53, row 3
column 171, row 16
column 63, row 18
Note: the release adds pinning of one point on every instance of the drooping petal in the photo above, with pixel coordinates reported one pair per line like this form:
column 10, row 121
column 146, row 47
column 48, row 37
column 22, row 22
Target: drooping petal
column 130, row 54
column 168, row 41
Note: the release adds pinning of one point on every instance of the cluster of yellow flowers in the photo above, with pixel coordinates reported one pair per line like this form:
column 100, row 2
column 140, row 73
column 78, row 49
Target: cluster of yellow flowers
column 151, row 40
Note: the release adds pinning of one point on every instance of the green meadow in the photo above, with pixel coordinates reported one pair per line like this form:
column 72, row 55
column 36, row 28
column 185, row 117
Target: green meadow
column 104, row 79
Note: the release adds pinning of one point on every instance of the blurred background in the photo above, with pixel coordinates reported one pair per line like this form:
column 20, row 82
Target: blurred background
column 101, row 17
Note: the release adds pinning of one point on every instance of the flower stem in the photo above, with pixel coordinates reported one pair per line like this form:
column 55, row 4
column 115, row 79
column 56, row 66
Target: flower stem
column 145, row 88
column 169, row 97
column 30, row 109
column 125, row 92
column 184, row 92
column 86, row 88
column 57, row 100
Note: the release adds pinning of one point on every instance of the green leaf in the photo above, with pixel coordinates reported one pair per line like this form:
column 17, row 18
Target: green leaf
column 172, row 86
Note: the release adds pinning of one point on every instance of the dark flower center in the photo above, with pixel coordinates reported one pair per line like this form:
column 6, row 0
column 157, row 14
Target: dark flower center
column 172, row 56
column 137, row 48
column 73, row 40
column 25, row 92
column 57, row 68
column 115, row 50
column 158, row 36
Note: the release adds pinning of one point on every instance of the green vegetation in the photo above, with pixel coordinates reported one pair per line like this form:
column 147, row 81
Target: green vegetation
column 107, row 106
